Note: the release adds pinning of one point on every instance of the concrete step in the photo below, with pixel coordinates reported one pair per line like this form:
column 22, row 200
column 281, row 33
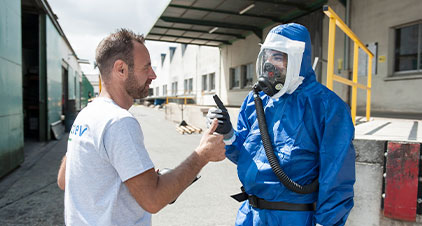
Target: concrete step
column 391, row 129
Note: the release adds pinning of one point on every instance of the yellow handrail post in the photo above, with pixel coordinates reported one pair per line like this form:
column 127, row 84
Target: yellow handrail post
column 99, row 83
column 331, row 45
column 355, row 80
column 336, row 21
column 368, row 91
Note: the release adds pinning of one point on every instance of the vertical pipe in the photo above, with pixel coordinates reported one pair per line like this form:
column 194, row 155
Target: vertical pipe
column 219, row 71
column 419, row 62
column 346, row 38
column 355, row 80
column 331, row 46
column 368, row 92
column 346, row 62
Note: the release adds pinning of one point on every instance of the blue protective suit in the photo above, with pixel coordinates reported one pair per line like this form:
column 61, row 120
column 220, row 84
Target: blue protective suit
column 311, row 132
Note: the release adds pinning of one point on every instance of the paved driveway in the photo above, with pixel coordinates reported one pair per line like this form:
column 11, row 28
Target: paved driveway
column 207, row 201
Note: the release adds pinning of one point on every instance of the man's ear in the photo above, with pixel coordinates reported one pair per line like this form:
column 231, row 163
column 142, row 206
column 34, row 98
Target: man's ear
column 120, row 68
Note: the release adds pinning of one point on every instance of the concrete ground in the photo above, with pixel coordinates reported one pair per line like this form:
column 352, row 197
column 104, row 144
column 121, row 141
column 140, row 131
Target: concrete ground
column 29, row 195
column 207, row 201
column 392, row 129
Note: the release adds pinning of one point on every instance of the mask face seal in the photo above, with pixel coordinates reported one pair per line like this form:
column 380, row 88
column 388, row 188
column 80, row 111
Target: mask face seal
column 272, row 70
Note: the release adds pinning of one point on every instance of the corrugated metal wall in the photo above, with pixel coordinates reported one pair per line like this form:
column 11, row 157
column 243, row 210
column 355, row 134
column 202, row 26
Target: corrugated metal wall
column 54, row 53
column 54, row 74
column 11, row 116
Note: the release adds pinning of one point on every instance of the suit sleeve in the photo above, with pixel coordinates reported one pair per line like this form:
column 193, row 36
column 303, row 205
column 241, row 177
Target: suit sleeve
column 242, row 131
column 337, row 165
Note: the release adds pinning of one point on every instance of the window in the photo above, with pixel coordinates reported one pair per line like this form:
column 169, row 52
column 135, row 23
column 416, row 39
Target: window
column 211, row 78
column 190, row 85
column 157, row 91
column 184, row 46
column 185, row 86
column 242, row 76
column 172, row 51
column 174, row 88
column 208, row 82
column 164, row 90
column 163, row 58
column 408, row 50
column 204, row 83
column 247, row 75
column 235, row 77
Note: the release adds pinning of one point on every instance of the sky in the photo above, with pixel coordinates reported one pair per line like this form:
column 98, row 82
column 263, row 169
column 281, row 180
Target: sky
column 86, row 22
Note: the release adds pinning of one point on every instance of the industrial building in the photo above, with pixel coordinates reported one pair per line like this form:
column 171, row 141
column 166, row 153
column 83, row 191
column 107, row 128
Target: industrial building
column 41, row 83
column 392, row 30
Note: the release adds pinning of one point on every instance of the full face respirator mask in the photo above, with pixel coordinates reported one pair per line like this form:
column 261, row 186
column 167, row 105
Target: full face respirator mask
column 272, row 68
column 278, row 65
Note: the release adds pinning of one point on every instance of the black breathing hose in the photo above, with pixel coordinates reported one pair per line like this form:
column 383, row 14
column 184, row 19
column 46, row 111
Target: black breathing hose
column 272, row 159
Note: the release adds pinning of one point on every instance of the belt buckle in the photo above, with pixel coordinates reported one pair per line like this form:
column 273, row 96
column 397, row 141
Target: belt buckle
column 253, row 201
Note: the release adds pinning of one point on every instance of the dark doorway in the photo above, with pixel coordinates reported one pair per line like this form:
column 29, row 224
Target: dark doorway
column 65, row 90
column 30, row 75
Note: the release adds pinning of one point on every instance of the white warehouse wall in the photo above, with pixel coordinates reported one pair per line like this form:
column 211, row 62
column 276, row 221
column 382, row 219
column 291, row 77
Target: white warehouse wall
column 193, row 62
column 374, row 21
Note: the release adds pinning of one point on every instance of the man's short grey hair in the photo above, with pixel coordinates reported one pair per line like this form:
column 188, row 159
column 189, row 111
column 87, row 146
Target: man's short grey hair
column 116, row 46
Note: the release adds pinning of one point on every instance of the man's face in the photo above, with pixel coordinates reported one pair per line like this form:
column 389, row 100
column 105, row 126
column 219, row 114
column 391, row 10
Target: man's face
column 278, row 59
column 141, row 75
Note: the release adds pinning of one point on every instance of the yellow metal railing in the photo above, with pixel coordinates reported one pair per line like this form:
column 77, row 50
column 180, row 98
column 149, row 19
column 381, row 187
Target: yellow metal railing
column 185, row 99
column 335, row 20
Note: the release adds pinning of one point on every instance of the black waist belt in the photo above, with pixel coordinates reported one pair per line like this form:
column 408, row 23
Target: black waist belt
column 264, row 204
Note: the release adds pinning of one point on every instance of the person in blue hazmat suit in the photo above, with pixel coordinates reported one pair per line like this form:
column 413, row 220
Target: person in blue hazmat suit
column 311, row 133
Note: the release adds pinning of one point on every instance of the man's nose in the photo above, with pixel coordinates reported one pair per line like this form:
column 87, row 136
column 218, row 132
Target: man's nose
column 152, row 74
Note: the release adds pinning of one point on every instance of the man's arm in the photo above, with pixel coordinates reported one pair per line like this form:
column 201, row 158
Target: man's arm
column 153, row 191
column 337, row 166
column 61, row 176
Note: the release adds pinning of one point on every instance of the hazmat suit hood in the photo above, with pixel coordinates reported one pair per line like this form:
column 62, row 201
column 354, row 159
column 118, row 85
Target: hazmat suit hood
column 294, row 40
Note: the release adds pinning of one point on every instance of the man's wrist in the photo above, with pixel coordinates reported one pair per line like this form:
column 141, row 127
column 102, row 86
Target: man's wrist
column 200, row 157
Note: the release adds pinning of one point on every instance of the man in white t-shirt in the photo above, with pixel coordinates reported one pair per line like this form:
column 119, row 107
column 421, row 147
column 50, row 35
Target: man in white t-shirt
column 106, row 173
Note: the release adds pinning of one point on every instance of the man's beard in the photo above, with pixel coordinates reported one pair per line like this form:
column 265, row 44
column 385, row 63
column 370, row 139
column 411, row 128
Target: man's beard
column 131, row 86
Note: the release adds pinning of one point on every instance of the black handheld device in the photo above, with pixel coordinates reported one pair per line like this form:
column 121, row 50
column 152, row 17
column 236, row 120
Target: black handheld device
column 224, row 125
column 219, row 103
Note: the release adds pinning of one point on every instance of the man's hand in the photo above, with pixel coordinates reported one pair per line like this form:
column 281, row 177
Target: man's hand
column 61, row 176
column 211, row 148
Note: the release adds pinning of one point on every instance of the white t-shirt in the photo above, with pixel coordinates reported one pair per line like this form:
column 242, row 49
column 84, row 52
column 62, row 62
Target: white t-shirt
column 105, row 148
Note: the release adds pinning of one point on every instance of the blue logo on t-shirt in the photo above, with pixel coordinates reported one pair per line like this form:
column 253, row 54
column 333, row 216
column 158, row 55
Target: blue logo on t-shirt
column 78, row 130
